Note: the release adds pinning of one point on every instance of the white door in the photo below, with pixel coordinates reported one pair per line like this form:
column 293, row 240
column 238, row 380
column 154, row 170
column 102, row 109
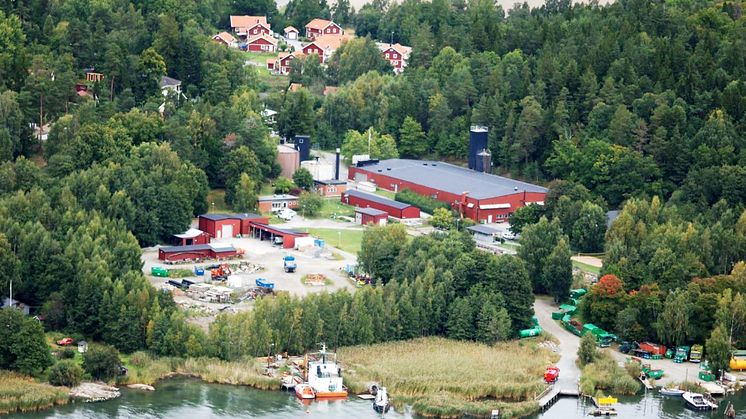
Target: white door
column 228, row 230
column 382, row 221
column 489, row 219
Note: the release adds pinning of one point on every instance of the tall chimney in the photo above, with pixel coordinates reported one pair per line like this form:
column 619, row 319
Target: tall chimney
column 336, row 166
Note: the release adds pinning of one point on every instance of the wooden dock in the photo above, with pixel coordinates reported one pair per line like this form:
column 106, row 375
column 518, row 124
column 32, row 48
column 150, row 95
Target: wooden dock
column 553, row 394
column 646, row 383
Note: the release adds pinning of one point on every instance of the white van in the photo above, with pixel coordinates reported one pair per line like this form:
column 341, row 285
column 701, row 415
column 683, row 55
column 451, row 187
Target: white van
column 286, row 214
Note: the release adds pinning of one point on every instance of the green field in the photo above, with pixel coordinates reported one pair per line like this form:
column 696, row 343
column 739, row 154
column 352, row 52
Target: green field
column 586, row 268
column 332, row 208
column 350, row 239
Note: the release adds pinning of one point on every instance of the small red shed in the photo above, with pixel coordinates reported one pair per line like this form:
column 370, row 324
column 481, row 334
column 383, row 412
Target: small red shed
column 229, row 225
column 192, row 236
column 366, row 216
column 395, row 209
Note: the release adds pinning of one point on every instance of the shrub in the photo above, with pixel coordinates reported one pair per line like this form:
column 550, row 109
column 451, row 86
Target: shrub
column 102, row 362
column 587, row 349
column 422, row 202
column 65, row 373
column 67, row 353
column 310, row 203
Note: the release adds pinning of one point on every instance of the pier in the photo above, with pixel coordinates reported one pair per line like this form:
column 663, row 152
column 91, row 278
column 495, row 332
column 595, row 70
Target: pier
column 549, row 397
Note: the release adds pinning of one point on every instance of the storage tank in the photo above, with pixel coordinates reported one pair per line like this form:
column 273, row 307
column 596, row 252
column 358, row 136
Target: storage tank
column 484, row 162
column 303, row 145
column 478, row 141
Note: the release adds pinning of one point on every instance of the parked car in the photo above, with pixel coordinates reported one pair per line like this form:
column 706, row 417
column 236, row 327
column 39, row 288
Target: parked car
column 509, row 235
column 286, row 214
column 65, row 341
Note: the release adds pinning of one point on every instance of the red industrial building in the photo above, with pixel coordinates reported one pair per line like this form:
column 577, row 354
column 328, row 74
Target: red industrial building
column 229, row 225
column 266, row 231
column 366, row 216
column 196, row 252
column 394, row 209
column 483, row 197
column 330, row 187
column 192, row 236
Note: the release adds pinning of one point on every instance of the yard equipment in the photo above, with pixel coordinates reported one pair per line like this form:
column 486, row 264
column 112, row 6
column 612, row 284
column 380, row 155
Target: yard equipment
column 706, row 376
column 682, row 354
column 65, row 341
column 551, row 375
column 695, row 355
column 651, row 372
column 653, row 348
column 159, row 271
column 220, row 273
column 577, row 293
column 264, row 283
column 289, row 264
column 199, row 271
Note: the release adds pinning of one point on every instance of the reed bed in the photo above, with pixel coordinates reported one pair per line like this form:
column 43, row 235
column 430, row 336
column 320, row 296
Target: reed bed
column 147, row 369
column 604, row 374
column 447, row 378
column 19, row 393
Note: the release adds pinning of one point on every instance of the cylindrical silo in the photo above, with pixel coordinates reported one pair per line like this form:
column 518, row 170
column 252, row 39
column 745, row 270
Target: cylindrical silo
column 484, row 161
column 478, row 139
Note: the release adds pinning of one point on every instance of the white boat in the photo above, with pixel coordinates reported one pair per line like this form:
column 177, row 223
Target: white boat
column 304, row 391
column 671, row 392
column 325, row 375
column 698, row 401
column 381, row 403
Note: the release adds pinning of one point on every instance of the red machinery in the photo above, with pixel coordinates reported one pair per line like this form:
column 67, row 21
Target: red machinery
column 220, row 273
column 551, row 374
column 653, row 348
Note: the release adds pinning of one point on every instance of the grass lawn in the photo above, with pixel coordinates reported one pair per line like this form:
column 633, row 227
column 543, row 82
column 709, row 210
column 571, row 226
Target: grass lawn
column 385, row 193
column 586, row 268
column 351, row 239
column 442, row 377
column 216, row 201
column 333, row 207
column 259, row 57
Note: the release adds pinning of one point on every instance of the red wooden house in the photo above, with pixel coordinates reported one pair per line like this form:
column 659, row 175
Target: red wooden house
column 261, row 43
column 396, row 54
column 250, row 26
column 281, row 65
column 318, row 27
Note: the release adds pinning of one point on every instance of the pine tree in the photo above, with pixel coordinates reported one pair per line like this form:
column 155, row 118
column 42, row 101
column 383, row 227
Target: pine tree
column 412, row 141
column 244, row 196
column 461, row 320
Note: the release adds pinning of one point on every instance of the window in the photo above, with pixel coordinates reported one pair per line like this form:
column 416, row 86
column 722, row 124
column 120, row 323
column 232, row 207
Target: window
column 331, row 188
column 387, row 55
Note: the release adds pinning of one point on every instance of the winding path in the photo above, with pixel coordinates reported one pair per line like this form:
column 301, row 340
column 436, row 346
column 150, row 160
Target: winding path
column 568, row 344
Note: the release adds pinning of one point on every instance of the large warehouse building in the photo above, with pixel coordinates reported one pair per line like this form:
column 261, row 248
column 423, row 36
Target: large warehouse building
column 483, row 197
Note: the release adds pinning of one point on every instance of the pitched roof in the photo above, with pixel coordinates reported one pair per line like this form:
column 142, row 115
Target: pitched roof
column 225, row 37
column 294, row 87
column 330, row 41
column 294, row 54
column 319, row 23
column 269, row 39
column 242, row 216
column 278, row 197
column 169, row 81
column 401, row 49
column 247, row 21
column 449, row 178
column 290, row 29
column 377, row 199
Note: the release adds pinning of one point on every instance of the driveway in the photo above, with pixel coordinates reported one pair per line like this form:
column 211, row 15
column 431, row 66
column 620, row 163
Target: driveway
column 568, row 343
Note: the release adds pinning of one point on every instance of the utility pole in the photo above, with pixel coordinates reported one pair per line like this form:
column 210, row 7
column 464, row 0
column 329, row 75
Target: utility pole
column 369, row 128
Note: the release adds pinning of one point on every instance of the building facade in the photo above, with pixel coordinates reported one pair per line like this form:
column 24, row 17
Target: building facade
column 319, row 27
column 393, row 208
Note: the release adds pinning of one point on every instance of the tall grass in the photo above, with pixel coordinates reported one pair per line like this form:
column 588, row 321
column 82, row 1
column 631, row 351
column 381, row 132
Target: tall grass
column 441, row 377
column 146, row 369
column 605, row 374
column 21, row 393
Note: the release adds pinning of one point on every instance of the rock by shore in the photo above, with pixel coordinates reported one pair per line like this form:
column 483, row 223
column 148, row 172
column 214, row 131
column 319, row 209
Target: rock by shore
column 94, row 392
column 141, row 387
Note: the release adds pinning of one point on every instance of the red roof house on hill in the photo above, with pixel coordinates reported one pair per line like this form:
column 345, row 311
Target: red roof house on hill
column 250, row 26
column 318, row 27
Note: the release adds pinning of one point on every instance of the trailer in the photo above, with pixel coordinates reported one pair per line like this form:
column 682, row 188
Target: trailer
column 159, row 271
column 264, row 283
column 653, row 348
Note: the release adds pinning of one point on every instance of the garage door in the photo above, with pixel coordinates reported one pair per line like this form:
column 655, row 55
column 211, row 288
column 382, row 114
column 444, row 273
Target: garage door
column 361, row 177
column 227, row 231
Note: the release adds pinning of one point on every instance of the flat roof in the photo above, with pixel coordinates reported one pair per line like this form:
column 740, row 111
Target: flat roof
column 243, row 216
column 370, row 211
column 331, row 182
column 377, row 198
column 483, row 229
column 449, row 178
column 281, row 230
column 278, row 197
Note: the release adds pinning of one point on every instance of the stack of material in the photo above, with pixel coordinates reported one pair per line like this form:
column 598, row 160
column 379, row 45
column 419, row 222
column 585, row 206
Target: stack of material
column 315, row 279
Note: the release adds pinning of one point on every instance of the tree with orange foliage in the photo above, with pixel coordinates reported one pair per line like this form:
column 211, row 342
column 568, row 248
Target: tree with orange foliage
column 604, row 301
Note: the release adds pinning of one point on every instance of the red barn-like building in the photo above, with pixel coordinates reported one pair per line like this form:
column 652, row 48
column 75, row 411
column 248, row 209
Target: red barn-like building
column 229, row 225
column 395, row 209
column 373, row 216
column 196, row 252
column 318, row 27
column 480, row 196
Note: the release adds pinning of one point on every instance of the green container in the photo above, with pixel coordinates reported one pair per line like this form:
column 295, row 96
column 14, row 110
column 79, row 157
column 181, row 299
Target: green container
column 577, row 293
column 706, row 376
column 557, row 315
column 527, row 333
column 159, row 271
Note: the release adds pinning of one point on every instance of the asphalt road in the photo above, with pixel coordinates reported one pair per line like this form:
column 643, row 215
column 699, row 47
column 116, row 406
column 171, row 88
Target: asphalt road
column 568, row 343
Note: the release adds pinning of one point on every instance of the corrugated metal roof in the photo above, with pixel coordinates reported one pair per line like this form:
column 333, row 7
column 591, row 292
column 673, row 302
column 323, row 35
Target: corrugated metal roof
column 190, row 248
column 282, row 230
column 484, row 229
column 243, row 216
column 449, row 178
column 370, row 211
column 377, row 198
column 190, row 234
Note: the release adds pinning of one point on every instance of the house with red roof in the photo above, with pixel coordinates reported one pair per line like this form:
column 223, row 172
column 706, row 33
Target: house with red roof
column 325, row 45
column 396, row 54
column 250, row 26
column 291, row 33
column 226, row 39
column 318, row 27
column 261, row 43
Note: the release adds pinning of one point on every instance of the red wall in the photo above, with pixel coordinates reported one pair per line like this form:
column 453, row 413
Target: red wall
column 208, row 226
column 256, row 46
column 197, row 254
column 313, row 49
column 408, row 212
column 515, row 200
column 371, row 219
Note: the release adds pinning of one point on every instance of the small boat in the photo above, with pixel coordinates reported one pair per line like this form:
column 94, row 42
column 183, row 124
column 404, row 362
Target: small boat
column 381, row 403
column 697, row 401
column 304, row 391
column 604, row 411
column 671, row 392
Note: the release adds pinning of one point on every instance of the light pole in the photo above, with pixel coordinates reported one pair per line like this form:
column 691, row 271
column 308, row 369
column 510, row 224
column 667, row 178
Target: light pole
column 339, row 233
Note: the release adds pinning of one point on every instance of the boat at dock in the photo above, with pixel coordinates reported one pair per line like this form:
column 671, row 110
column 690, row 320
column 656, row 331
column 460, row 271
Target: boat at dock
column 304, row 391
column 698, row 401
column 671, row 392
column 324, row 375
column 381, row 403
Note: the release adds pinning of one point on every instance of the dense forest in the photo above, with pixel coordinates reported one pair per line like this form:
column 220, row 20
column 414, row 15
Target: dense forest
column 638, row 105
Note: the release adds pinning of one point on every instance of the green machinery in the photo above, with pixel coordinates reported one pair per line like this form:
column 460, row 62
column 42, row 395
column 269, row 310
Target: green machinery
column 563, row 310
column 682, row 354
